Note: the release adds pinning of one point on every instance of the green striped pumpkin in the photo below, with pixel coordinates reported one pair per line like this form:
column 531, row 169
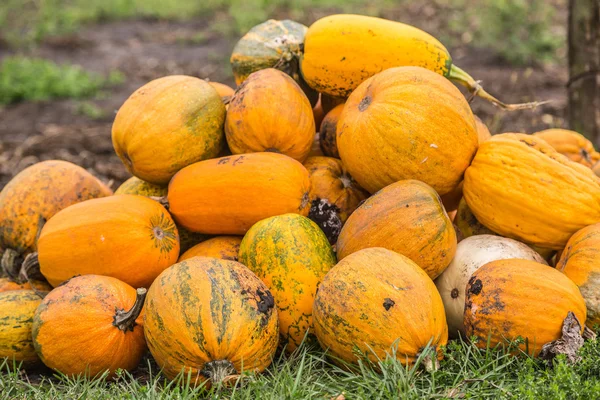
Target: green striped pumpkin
column 17, row 308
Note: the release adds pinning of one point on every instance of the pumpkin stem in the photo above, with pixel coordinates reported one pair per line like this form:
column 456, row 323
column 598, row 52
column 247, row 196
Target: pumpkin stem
column 458, row 75
column 125, row 320
column 588, row 334
column 162, row 201
column 218, row 371
column 8, row 264
column 430, row 361
column 30, row 270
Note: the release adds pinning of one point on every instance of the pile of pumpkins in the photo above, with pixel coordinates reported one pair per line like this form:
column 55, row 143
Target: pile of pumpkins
column 401, row 222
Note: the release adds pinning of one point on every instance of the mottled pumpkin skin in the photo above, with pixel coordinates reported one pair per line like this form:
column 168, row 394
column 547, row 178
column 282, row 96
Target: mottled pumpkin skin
column 223, row 90
column 342, row 51
column 291, row 255
column 392, row 128
column 272, row 44
column 254, row 125
column 406, row 217
column 580, row 262
column 327, row 133
column 506, row 299
column 483, row 133
column 133, row 185
column 223, row 247
column 571, row 144
column 37, row 193
column 330, row 181
column 203, row 310
column 517, row 186
column 6, row 284
column 167, row 124
column 137, row 186
column 128, row 237
column 375, row 299
column 73, row 330
column 16, row 315
column 227, row 195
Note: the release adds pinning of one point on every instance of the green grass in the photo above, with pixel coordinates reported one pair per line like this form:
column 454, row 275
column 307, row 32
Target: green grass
column 466, row 371
column 35, row 79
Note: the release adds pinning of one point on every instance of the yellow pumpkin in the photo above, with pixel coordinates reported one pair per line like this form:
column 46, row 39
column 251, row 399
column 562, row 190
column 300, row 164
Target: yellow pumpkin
column 211, row 319
column 291, row 255
column 483, row 133
column 223, row 90
column 506, row 299
column 406, row 217
column 17, row 308
column 580, row 262
column 571, row 144
column 227, row 195
column 407, row 123
column 520, row 187
column 223, row 247
column 377, row 300
column 254, row 125
column 131, row 238
column 167, row 124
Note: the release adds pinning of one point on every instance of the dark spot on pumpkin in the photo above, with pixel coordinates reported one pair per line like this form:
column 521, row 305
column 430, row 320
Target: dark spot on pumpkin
column 364, row 103
column 388, row 303
column 158, row 233
column 266, row 301
column 223, row 160
column 475, row 285
column 454, row 293
column 238, row 160
column 326, row 216
column 272, row 150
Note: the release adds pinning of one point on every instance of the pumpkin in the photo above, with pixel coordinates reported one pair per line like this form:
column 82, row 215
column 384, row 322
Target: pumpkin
column 227, row 195
column 472, row 253
column 224, row 247
column 16, row 314
column 342, row 51
column 291, row 255
column 375, row 299
column 167, row 124
column 328, row 102
column 571, row 144
column 32, row 197
column 334, row 195
column 131, row 238
column 318, row 113
column 271, row 44
column 315, row 150
column 90, row 325
column 596, row 168
column 327, row 133
column 483, row 133
column 506, row 299
column 254, row 125
column 580, row 262
column 516, row 187
column 223, row 90
column 406, row 217
column 133, row 185
column 210, row 318
column 392, row 128
column 7, row 284
column 452, row 199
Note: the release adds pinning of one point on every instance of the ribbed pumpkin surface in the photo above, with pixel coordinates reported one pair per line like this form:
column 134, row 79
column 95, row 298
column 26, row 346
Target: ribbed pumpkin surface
column 223, row 247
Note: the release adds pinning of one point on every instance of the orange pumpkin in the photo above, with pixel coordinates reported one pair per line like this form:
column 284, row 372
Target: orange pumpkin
column 318, row 113
column 327, row 134
column 7, row 284
column 167, row 124
column 376, row 299
column 227, row 195
column 32, row 197
column 580, row 262
column 89, row 325
column 406, row 217
column 211, row 319
column 506, row 299
column 223, row 247
column 571, row 144
column 254, row 125
column 128, row 237
column 483, row 133
column 407, row 123
column 516, row 187
column 223, row 90
column 334, row 195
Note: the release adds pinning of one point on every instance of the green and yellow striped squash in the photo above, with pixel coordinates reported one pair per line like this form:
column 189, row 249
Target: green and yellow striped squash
column 17, row 308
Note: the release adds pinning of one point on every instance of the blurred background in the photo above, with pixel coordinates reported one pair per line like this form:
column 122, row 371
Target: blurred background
column 66, row 66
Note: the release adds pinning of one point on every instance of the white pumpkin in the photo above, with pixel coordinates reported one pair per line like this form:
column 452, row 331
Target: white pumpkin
column 471, row 254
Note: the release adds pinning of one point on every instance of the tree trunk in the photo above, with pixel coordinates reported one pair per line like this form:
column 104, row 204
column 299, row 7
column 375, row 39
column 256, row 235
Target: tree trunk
column 584, row 68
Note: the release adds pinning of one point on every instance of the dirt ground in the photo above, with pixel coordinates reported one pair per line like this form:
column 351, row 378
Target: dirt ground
column 145, row 49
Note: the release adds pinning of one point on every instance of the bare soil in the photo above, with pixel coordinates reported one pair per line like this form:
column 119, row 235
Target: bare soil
column 147, row 49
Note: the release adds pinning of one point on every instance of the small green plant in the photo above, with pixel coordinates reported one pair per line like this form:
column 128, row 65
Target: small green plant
column 35, row 79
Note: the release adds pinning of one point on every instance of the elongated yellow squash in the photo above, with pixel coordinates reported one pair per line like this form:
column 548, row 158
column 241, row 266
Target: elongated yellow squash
column 341, row 51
